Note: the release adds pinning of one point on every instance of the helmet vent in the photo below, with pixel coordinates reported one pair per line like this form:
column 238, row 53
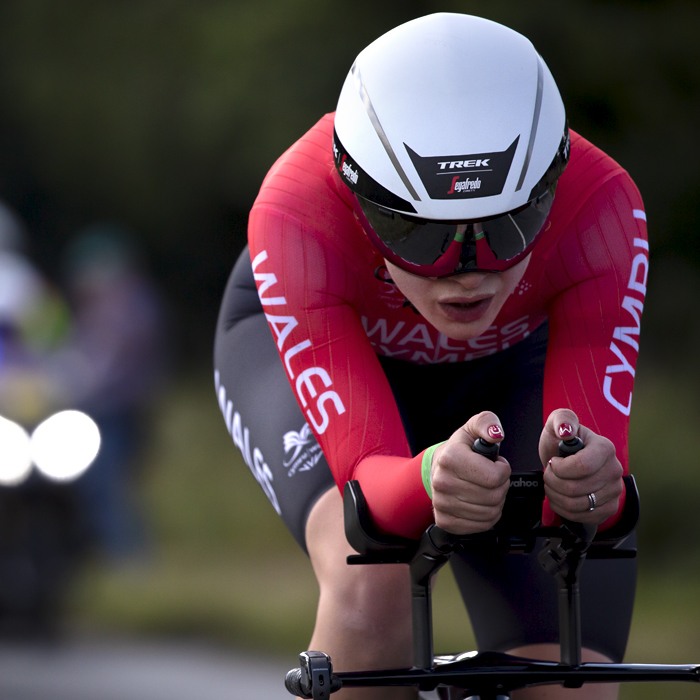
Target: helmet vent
column 382, row 135
column 535, row 122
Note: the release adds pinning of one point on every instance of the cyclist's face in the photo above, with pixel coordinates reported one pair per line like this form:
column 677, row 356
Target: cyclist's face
column 463, row 306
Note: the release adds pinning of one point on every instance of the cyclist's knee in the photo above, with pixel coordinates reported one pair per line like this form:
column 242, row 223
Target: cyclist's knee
column 373, row 593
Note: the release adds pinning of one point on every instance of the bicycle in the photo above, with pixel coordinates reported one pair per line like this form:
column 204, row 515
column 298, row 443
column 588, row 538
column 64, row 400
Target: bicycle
column 488, row 675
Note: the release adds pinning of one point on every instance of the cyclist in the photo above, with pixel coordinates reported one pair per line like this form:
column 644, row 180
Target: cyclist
column 438, row 261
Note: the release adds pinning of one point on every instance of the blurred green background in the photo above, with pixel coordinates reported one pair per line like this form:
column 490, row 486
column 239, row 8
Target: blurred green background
column 165, row 115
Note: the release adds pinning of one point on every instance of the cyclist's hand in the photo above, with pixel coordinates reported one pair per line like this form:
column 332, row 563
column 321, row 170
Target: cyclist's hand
column 594, row 469
column 469, row 490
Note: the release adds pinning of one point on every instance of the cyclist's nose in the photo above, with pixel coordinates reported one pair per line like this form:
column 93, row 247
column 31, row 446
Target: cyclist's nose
column 470, row 280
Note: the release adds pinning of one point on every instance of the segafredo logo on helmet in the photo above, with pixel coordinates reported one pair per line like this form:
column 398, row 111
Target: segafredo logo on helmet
column 465, row 185
column 346, row 169
column 464, row 176
column 361, row 183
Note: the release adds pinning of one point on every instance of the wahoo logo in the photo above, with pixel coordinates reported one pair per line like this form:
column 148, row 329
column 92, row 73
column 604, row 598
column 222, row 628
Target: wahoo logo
column 464, row 176
column 465, row 185
column 522, row 483
column 347, row 170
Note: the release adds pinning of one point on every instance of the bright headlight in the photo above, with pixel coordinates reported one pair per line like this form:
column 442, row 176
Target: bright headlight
column 65, row 445
column 15, row 457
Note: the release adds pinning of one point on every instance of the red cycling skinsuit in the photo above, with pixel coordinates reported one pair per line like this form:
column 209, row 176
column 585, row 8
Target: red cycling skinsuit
column 330, row 316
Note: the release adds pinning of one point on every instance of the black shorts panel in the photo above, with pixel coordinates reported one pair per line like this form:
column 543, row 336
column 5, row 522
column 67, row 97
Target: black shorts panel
column 260, row 409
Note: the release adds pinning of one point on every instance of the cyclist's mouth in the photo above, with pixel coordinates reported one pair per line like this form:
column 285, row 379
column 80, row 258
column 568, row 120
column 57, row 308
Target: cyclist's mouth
column 465, row 311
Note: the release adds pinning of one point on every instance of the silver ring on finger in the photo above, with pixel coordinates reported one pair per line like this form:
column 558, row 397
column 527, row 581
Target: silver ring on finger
column 592, row 502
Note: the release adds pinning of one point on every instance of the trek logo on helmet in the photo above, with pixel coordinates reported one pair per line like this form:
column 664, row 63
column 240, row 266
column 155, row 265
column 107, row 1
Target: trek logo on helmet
column 478, row 163
column 438, row 173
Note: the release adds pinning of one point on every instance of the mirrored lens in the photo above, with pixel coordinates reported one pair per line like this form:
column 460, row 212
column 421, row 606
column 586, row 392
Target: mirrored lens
column 510, row 234
column 419, row 242
column 423, row 242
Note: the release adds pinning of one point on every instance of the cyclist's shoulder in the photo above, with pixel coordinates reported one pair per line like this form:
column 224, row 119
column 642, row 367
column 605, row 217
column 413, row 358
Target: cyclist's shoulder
column 596, row 204
column 309, row 153
column 590, row 172
column 303, row 205
column 302, row 182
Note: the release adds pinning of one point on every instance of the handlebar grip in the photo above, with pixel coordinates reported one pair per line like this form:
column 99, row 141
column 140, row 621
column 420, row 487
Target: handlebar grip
column 584, row 531
column 570, row 446
column 292, row 683
column 485, row 448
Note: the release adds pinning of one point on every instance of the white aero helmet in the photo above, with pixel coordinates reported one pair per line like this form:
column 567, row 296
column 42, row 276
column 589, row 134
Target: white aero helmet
column 451, row 132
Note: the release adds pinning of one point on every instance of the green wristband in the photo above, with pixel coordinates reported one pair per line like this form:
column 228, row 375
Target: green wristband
column 426, row 465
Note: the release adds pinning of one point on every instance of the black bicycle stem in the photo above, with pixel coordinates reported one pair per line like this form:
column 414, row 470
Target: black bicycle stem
column 563, row 557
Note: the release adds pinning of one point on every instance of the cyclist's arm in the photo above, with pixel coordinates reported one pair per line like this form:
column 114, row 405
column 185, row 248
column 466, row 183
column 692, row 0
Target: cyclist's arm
column 307, row 287
column 601, row 267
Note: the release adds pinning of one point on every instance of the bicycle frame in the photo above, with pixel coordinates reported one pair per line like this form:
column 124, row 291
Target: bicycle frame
column 488, row 675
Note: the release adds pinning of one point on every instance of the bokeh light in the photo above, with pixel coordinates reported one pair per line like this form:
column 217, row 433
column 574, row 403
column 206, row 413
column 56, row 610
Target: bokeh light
column 65, row 445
